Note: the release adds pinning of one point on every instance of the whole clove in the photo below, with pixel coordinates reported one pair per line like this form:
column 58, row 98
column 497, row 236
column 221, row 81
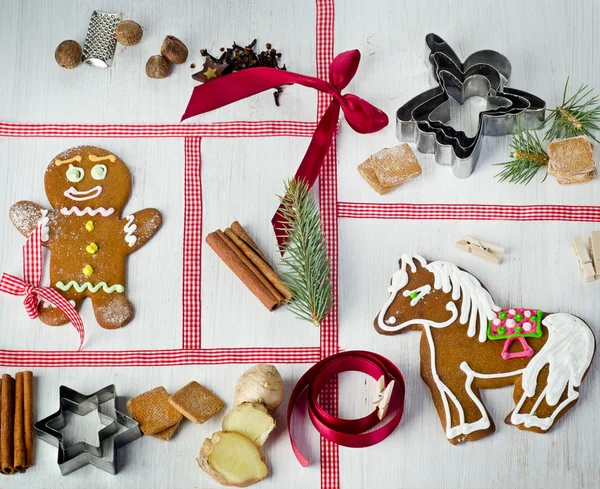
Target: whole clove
column 237, row 58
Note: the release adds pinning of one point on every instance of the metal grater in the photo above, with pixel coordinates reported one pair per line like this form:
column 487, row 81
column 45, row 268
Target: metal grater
column 100, row 43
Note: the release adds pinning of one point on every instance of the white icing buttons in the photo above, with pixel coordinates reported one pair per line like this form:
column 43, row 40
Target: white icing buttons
column 129, row 229
column 44, row 222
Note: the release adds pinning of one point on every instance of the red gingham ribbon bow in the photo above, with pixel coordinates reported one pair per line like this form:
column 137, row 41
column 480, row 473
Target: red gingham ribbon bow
column 361, row 116
column 29, row 286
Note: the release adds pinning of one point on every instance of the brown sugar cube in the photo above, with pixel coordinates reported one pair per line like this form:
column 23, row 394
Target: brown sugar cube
column 394, row 166
column 196, row 402
column 571, row 158
column 168, row 433
column 153, row 411
column 586, row 177
column 368, row 174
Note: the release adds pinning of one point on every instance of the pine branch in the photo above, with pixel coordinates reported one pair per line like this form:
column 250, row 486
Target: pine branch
column 306, row 265
column 577, row 115
column 528, row 157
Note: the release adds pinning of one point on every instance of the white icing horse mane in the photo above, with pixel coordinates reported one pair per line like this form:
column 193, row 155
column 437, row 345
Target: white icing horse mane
column 476, row 301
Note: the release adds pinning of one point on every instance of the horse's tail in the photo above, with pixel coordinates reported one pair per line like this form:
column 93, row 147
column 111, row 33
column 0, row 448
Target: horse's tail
column 568, row 352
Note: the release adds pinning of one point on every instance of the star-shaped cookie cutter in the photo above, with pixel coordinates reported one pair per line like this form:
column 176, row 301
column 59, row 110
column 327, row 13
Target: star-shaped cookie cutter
column 110, row 437
column 485, row 74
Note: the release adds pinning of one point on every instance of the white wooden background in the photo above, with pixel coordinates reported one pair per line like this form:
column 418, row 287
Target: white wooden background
column 545, row 41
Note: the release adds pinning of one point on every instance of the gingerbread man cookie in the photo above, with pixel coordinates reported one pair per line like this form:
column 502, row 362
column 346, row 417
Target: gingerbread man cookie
column 468, row 343
column 89, row 242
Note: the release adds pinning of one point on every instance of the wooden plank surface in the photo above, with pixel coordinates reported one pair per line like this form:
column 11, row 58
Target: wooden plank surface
column 545, row 41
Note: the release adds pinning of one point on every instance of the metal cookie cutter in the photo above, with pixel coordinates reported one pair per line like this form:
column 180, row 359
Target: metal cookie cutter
column 485, row 74
column 101, row 42
column 119, row 430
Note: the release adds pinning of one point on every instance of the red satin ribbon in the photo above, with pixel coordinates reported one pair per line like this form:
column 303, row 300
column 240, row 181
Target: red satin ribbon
column 348, row 432
column 363, row 117
column 29, row 285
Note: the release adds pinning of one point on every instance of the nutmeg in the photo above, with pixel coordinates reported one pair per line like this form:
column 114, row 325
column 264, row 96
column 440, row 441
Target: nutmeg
column 128, row 32
column 157, row 67
column 174, row 50
column 68, row 54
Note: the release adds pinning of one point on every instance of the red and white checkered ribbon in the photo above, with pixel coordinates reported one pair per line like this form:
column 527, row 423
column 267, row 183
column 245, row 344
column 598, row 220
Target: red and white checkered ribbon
column 29, row 286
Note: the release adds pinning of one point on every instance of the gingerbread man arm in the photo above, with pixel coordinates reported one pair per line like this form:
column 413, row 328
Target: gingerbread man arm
column 140, row 226
column 27, row 215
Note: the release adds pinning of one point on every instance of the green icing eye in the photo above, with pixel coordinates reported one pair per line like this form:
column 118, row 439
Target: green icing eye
column 502, row 315
column 74, row 174
column 501, row 330
column 99, row 172
column 518, row 318
column 414, row 295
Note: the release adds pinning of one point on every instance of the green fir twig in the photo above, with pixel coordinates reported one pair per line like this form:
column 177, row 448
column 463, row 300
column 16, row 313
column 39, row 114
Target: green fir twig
column 577, row 115
column 306, row 266
column 528, row 157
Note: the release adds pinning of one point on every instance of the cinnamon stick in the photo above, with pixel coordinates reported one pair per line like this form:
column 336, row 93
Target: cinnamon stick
column 250, row 266
column 237, row 266
column 259, row 262
column 28, row 416
column 19, row 433
column 238, row 229
column 7, row 413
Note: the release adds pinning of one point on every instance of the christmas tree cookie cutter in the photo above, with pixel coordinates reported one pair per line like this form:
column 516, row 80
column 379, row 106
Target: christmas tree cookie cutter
column 118, row 430
column 484, row 74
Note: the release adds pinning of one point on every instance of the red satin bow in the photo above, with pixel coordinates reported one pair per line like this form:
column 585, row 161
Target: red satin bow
column 363, row 117
column 347, row 432
column 29, row 286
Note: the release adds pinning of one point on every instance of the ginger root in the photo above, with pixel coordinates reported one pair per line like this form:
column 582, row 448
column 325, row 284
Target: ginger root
column 232, row 459
column 260, row 383
column 251, row 420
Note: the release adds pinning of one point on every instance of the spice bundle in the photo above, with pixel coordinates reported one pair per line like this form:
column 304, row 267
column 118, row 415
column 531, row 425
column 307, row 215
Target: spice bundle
column 570, row 154
column 16, row 422
column 241, row 254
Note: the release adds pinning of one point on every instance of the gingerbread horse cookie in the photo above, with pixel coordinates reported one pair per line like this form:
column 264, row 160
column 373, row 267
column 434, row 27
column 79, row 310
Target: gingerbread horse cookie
column 468, row 343
column 88, row 188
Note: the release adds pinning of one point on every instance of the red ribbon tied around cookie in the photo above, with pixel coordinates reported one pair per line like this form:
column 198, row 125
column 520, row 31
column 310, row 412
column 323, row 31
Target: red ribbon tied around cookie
column 29, row 285
column 363, row 117
column 348, row 432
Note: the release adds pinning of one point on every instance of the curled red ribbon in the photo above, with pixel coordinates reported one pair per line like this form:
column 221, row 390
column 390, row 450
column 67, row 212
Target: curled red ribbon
column 363, row 117
column 29, row 285
column 348, row 432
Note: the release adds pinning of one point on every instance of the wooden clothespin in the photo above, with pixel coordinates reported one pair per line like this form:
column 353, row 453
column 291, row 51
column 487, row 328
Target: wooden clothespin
column 488, row 251
column 382, row 397
column 595, row 247
column 585, row 262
